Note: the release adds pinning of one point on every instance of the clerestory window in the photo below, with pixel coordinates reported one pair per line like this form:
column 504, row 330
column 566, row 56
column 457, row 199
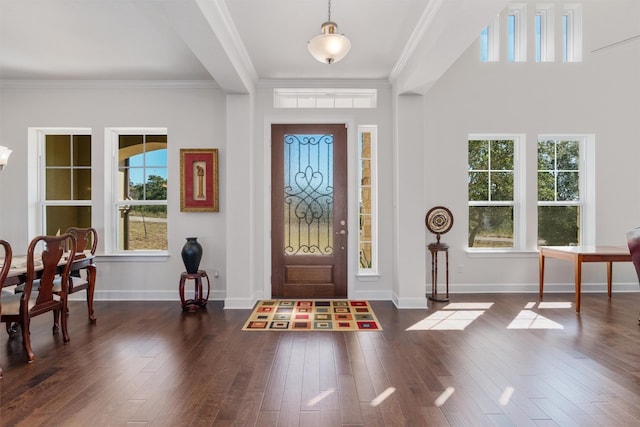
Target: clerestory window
column 544, row 29
column 572, row 33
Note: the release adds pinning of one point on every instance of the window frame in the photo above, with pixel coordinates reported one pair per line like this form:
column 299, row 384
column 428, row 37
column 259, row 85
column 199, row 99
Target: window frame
column 112, row 136
column 373, row 164
column 586, row 185
column 519, row 199
column 572, row 33
column 492, row 43
column 36, row 137
column 526, row 157
column 519, row 13
column 545, row 35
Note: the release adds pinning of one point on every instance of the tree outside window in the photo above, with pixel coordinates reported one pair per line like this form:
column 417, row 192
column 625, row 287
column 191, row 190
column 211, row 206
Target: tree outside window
column 558, row 192
column 491, row 193
column 142, row 194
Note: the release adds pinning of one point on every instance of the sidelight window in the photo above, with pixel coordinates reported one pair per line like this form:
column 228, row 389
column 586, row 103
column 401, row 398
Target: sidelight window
column 367, row 237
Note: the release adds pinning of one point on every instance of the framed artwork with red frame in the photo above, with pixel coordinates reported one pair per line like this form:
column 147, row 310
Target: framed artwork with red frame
column 199, row 180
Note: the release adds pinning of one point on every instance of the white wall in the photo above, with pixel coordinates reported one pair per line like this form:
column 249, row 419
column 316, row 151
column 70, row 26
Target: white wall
column 597, row 96
column 194, row 117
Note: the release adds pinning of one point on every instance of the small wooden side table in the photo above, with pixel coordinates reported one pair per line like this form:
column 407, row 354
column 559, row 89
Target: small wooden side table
column 434, row 248
column 199, row 300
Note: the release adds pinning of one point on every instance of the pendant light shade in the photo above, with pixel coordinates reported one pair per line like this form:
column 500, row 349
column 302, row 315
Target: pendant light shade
column 329, row 47
column 5, row 152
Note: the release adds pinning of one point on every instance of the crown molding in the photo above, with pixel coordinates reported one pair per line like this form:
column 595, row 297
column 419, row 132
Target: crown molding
column 322, row 84
column 108, row 84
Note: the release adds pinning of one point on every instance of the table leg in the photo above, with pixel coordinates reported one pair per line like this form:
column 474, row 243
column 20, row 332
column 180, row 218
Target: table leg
column 578, row 279
column 91, row 272
column 206, row 298
column 609, row 277
column 541, row 273
column 446, row 256
column 433, row 277
column 197, row 290
column 183, row 279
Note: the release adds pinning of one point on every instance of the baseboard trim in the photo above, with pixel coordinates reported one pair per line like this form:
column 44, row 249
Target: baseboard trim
column 409, row 303
column 372, row 295
column 533, row 288
column 139, row 295
column 239, row 303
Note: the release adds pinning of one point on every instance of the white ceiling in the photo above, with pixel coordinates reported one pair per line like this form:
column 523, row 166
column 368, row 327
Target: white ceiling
column 234, row 42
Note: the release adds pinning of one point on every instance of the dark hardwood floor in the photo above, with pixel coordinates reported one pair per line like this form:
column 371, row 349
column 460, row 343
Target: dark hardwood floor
column 148, row 363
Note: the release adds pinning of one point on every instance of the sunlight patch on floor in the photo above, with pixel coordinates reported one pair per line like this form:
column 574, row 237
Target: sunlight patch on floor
column 382, row 396
column 447, row 320
column 506, row 396
column 468, row 306
column 444, row 396
column 559, row 304
column 528, row 319
column 320, row 397
column 457, row 316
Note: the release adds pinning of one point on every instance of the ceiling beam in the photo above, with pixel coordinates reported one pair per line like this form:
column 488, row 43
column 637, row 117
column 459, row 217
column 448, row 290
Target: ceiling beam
column 437, row 42
column 208, row 30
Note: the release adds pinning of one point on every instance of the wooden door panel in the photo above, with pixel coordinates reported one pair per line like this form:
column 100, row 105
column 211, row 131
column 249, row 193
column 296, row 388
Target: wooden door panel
column 309, row 211
column 308, row 274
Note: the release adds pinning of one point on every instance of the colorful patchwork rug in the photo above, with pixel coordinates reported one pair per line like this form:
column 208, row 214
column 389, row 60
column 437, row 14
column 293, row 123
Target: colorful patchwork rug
column 312, row 315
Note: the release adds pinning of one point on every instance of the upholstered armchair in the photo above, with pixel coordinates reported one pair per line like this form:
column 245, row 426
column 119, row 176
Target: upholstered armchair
column 633, row 240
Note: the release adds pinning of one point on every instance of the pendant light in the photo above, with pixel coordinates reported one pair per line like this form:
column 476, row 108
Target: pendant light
column 329, row 47
column 5, row 152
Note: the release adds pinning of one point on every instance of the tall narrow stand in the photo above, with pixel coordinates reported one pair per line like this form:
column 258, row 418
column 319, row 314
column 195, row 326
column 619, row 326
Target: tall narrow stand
column 434, row 248
column 439, row 220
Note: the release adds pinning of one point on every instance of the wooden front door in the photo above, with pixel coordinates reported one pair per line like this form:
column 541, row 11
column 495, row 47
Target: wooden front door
column 309, row 211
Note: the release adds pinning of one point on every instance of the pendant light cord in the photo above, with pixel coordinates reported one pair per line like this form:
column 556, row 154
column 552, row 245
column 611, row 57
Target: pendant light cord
column 329, row 19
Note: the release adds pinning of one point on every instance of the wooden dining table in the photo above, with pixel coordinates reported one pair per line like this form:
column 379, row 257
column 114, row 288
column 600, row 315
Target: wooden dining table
column 18, row 272
column 578, row 255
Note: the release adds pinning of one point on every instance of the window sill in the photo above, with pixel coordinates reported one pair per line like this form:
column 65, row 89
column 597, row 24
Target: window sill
column 159, row 256
column 501, row 253
column 368, row 277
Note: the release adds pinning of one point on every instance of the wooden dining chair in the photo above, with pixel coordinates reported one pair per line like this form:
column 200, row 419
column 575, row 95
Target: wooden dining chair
column 4, row 271
column 38, row 297
column 84, row 279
